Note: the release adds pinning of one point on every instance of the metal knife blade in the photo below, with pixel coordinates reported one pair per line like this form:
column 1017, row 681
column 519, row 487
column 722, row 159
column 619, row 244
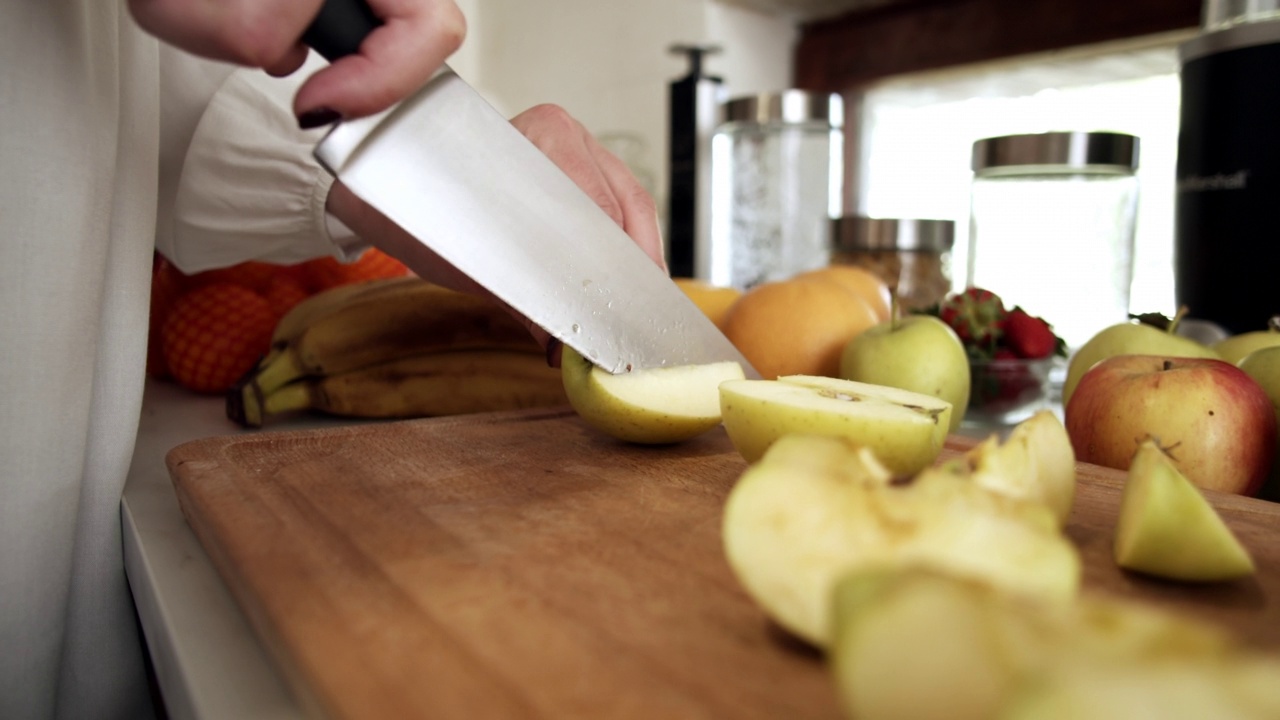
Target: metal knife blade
column 450, row 170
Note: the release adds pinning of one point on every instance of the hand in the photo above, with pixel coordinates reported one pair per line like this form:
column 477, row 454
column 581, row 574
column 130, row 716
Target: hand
column 415, row 39
column 567, row 143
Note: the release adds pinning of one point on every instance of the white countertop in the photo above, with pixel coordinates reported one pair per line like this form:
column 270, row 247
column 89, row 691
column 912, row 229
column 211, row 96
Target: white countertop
column 208, row 661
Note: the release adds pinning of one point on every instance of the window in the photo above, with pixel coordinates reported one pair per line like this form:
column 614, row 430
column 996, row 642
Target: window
column 917, row 133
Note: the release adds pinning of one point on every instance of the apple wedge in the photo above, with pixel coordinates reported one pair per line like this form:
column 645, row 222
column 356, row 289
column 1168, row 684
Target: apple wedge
column 906, row 430
column 1035, row 462
column 817, row 507
column 918, row 644
column 1168, row 529
column 656, row 406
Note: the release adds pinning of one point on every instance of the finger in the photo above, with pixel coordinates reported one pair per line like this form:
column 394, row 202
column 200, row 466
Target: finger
column 565, row 142
column 638, row 209
column 396, row 59
column 290, row 62
column 256, row 33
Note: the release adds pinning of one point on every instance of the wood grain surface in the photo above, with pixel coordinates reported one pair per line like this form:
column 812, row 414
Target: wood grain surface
column 522, row 565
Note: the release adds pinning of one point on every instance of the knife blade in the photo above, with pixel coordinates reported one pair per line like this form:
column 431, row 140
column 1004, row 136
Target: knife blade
column 450, row 170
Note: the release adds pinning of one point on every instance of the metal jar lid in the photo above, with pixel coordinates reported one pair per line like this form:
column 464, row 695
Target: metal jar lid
column 788, row 107
column 856, row 233
column 1056, row 152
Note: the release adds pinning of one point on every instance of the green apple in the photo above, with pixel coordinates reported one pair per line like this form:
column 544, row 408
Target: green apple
column 1035, row 462
column 654, row 406
column 1234, row 349
column 906, row 430
column 1168, row 529
column 920, row 644
column 1264, row 367
column 1131, row 338
column 815, row 508
column 920, row 353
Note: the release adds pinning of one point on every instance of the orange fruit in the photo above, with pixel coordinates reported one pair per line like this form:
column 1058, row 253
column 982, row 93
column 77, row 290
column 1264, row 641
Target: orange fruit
column 326, row 272
column 215, row 334
column 862, row 282
column 713, row 300
column 797, row 327
column 167, row 285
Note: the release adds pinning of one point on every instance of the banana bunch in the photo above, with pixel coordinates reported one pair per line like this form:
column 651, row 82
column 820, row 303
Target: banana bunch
column 396, row 348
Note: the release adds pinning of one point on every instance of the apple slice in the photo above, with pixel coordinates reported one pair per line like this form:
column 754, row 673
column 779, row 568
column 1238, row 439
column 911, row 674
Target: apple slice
column 1035, row 462
column 816, row 507
column 1167, row 528
column 915, row 643
column 656, row 406
column 906, row 430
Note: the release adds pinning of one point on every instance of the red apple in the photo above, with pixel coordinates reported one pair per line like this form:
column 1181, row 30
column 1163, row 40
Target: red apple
column 1213, row 419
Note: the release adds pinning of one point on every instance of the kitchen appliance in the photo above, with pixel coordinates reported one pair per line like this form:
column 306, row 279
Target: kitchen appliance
column 1051, row 226
column 1228, row 167
column 694, row 102
column 451, row 171
column 776, row 162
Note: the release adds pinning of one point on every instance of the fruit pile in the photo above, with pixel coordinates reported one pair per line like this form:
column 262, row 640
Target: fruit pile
column 395, row 348
column 1002, row 344
column 208, row 329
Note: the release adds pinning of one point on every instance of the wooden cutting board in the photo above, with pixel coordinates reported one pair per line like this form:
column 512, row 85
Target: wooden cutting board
column 522, row 565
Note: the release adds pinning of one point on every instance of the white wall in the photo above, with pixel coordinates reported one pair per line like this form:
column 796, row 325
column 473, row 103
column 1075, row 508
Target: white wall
column 607, row 62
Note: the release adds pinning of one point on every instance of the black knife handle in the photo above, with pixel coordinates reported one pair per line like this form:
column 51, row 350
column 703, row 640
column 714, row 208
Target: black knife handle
column 340, row 28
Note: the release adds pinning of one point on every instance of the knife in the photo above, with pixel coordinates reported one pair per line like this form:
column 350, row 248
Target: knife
column 451, row 171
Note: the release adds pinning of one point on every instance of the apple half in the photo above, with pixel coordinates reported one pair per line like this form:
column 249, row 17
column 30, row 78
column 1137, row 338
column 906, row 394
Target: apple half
column 921, row 645
column 653, row 406
column 815, row 508
column 905, row 429
column 1035, row 462
column 1168, row 529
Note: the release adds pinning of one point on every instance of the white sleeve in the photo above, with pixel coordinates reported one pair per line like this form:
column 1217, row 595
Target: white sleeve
column 248, row 187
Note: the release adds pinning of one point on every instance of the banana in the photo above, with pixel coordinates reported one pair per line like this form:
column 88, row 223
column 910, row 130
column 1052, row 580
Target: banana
column 447, row 383
column 409, row 318
column 323, row 303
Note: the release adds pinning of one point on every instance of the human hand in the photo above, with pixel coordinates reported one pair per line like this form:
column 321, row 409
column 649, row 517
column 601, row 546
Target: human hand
column 398, row 57
column 600, row 174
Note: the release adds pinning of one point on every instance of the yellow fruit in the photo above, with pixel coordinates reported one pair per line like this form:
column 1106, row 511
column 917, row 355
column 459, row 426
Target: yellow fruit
column 798, row 326
column 713, row 300
column 862, row 282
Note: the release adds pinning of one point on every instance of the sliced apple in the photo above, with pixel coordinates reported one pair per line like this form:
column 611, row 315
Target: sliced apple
column 906, row 430
column 817, row 507
column 1035, row 462
column 1167, row 528
column 915, row 643
column 655, row 406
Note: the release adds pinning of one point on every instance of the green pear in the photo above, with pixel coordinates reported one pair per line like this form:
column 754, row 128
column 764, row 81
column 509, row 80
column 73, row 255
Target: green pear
column 1233, row 349
column 1168, row 529
column 920, row 353
column 654, row 406
column 1264, row 367
column 906, row 430
column 1130, row 338
column 792, row 526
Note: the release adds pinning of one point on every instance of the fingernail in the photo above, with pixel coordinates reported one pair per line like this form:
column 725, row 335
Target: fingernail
column 553, row 353
column 315, row 118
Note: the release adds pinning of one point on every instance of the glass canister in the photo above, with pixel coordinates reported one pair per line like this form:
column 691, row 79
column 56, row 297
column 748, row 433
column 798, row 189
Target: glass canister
column 776, row 174
column 1051, row 226
column 912, row 256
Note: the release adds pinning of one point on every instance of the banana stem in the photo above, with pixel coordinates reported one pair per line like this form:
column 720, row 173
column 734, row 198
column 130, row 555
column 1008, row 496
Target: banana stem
column 278, row 371
column 294, row 396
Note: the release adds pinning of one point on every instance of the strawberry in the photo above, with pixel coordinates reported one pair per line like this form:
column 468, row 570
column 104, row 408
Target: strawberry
column 214, row 334
column 1030, row 337
column 324, row 273
column 976, row 316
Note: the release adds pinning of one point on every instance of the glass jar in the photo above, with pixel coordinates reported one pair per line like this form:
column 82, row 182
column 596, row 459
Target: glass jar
column 776, row 181
column 1051, row 226
column 912, row 256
